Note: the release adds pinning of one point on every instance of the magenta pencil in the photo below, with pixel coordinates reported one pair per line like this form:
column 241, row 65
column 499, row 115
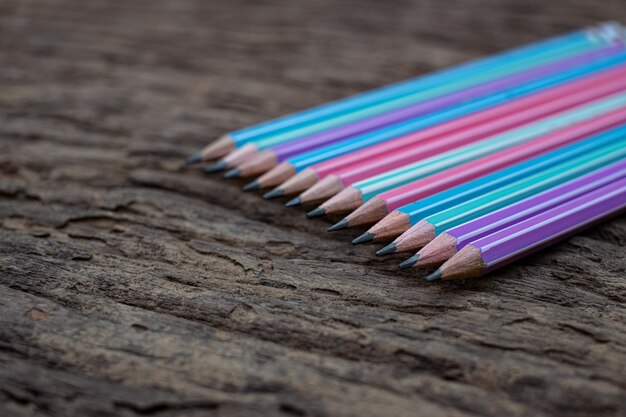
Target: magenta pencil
column 341, row 172
column 304, row 144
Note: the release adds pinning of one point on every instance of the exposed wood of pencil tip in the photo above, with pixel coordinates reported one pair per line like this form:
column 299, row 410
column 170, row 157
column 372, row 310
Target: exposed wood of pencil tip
column 240, row 155
column 323, row 190
column 299, row 182
column 370, row 212
column 437, row 251
column 347, row 200
column 258, row 164
column 467, row 263
column 277, row 175
column 415, row 238
column 218, row 148
column 390, row 227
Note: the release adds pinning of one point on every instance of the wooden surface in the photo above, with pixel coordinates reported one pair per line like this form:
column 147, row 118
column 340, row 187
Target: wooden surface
column 130, row 285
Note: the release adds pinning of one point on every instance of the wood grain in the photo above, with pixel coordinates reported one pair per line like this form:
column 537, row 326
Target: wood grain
column 130, row 285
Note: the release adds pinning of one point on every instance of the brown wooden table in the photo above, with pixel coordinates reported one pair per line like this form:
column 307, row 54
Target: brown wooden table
column 131, row 285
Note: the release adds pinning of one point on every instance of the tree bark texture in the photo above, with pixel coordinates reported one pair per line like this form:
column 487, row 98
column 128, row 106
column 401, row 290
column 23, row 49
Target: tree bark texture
column 131, row 285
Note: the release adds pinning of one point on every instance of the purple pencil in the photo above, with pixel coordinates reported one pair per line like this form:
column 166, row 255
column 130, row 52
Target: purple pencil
column 526, row 237
column 273, row 155
column 448, row 243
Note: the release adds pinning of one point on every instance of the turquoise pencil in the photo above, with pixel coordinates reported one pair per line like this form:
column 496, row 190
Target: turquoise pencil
column 332, row 114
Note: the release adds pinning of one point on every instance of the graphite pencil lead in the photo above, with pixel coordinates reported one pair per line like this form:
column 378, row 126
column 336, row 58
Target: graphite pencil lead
column 193, row 159
column 293, row 202
column 365, row 237
column 318, row 212
column 276, row 192
column 341, row 224
column 409, row 262
column 435, row 276
column 233, row 173
column 390, row 248
column 251, row 186
column 218, row 166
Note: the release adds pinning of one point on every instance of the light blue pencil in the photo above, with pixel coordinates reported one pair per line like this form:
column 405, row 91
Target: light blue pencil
column 322, row 117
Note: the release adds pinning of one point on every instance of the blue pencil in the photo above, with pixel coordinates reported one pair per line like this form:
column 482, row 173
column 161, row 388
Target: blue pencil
column 302, row 161
column 406, row 216
column 574, row 42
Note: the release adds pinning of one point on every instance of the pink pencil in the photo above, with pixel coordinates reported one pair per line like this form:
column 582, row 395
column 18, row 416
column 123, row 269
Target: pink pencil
column 400, row 157
column 345, row 170
column 382, row 204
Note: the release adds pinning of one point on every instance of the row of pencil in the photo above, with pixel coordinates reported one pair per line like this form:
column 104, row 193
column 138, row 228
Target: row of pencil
column 468, row 168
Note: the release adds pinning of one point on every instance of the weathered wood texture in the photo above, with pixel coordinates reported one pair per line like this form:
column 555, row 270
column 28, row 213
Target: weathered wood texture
column 130, row 285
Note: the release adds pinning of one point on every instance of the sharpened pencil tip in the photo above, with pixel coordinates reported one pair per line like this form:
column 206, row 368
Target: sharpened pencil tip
column 193, row 159
column 365, row 237
column 293, row 202
column 233, row 173
column 434, row 276
column 251, row 186
column 341, row 224
column 409, row 262
column 390, row 248
column 218, row 166
column 276, row 192
column 318, row 212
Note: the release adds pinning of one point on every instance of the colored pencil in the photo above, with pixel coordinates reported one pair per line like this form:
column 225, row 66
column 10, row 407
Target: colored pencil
column 420, row 145
column 450, row 85
column 332, row 114
column 267, row 159
column 422, row 188
column 524, row 238
column 503, row 158
column 448, row 243
column 401, row 219
column 392, row 135
column 430, row 227
column 469, row 168
column 400, row 187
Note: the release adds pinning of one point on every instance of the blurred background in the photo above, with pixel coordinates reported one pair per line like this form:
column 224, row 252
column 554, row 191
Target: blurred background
column 185, row 71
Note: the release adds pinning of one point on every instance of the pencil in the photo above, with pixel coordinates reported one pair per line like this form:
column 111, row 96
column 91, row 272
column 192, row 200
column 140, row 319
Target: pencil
column 403, row 186
column 402, row 218
column 434, row 90
column 427, row 229
column 524, row 238
column 448, row 243
column 340, row 172
column 399, row 135
column 329, row 115
column 410, row 94
column 268, row 158
column 515, row 118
